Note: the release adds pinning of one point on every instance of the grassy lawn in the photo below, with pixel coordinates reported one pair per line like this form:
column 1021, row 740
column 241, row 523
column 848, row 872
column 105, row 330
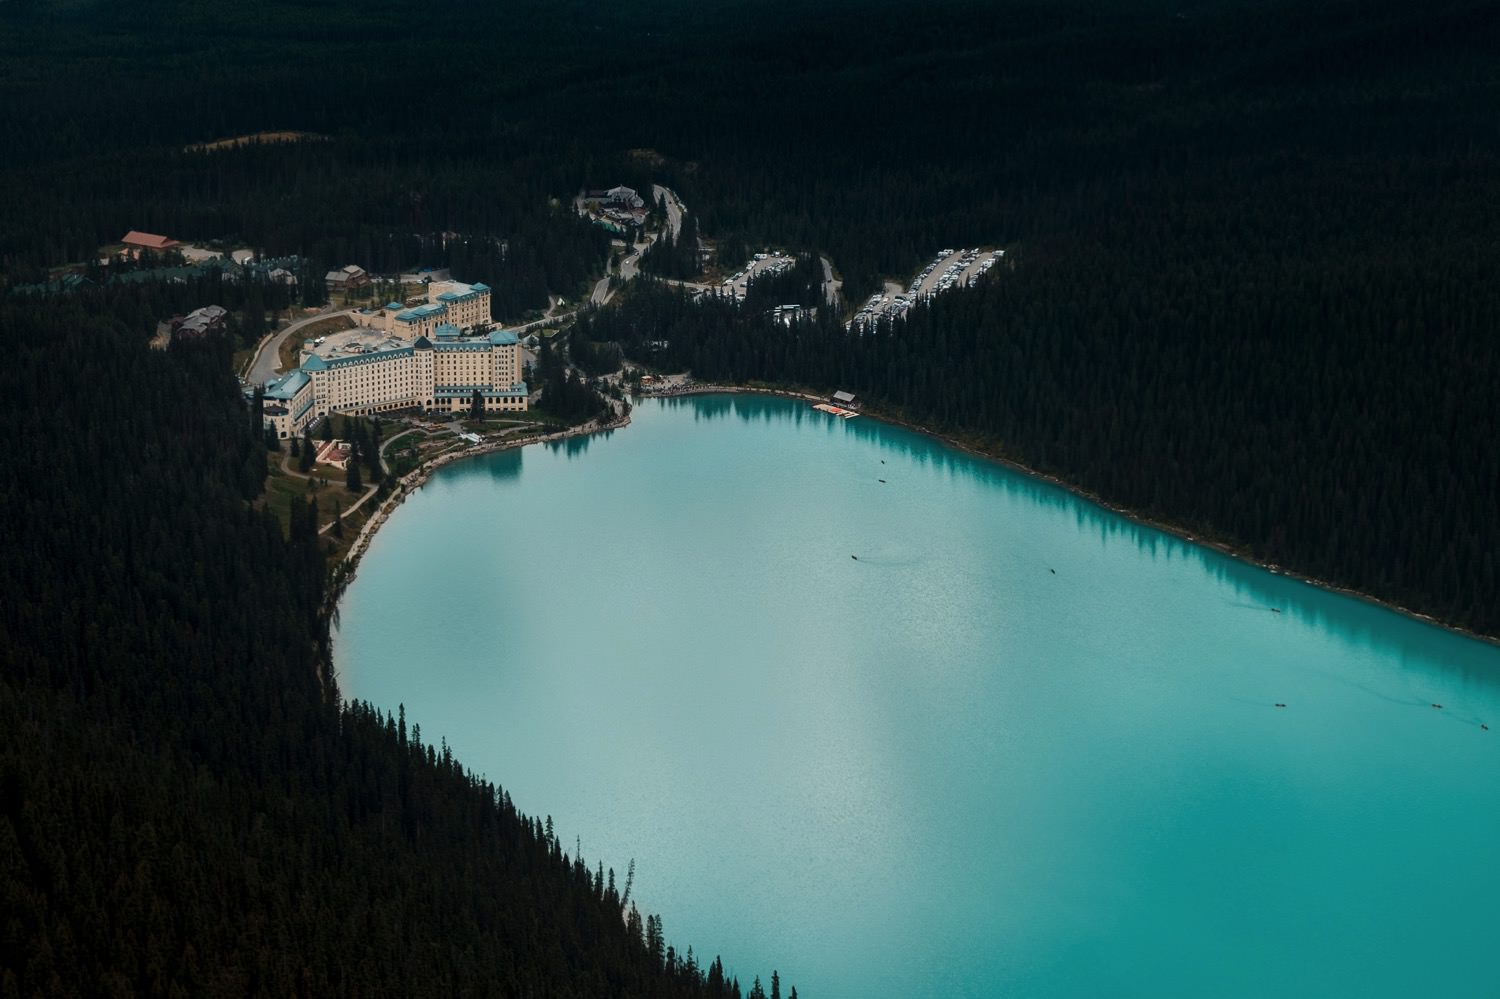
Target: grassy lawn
column 401, row 462
column 408, row 452
column 414, row 448
column 291, row 348
column 282, row 488
column 495, row 425
column 337, row 547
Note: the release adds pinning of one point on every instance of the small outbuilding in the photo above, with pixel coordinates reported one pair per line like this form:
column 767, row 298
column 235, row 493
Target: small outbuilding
column 351, row 276
column 335, row 453
column 200, row 322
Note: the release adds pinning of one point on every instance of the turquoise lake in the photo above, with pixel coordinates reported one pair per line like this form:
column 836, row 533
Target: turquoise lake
column 1019, row 746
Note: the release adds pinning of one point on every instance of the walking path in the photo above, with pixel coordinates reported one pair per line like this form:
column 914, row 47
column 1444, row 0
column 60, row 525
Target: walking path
column 355, row 506
column 286, row 466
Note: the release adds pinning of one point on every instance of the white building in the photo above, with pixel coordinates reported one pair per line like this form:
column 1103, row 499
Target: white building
column 450, row 302
column 434, row 365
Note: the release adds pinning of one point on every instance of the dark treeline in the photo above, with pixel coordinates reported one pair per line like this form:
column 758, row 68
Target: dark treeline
column 592, row 355
column 385, row 204
column 1249, row 403
column 878, row 136
column 675, row 256
column 564, row 393
column 800, row 284
column 186, row 807
column 855, row 129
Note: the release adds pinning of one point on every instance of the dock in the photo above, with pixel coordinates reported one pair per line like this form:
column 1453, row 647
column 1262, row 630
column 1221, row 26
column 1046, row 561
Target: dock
column 840, row 411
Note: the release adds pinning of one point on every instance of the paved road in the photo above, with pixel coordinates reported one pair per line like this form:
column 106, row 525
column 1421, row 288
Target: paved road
column 600, row 294
column 393, row 439
column 267, row 363
column 674, row 208
column 629, row 268
column 830, row 286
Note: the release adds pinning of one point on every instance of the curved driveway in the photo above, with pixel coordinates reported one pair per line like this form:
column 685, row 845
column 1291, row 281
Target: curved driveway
column 267, row 363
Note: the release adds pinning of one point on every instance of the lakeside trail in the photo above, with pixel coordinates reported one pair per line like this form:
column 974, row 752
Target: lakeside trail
column 414, row 479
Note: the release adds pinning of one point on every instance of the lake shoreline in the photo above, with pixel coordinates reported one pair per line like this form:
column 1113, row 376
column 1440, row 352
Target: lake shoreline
column 1222, row 547
column 416, row 478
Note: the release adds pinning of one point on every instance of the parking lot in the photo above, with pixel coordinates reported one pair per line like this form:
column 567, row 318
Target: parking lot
column 760, row 266
column 949, row 269
column 953, row 268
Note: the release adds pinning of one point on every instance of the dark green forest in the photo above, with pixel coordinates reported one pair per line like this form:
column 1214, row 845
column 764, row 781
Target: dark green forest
column 186, row 807
column 1250, row 289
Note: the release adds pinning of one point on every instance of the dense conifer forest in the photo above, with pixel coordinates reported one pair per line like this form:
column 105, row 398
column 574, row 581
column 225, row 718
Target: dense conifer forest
column 186, row 808
column 1250, row 289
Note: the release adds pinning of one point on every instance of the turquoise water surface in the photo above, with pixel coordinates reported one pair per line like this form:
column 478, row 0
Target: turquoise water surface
column 1019, row 746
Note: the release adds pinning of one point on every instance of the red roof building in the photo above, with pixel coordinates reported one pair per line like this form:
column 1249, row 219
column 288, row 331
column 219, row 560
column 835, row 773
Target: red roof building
column 147, row 241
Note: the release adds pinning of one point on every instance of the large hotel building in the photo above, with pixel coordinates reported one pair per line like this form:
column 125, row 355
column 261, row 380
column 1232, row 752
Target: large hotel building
column 428, row 360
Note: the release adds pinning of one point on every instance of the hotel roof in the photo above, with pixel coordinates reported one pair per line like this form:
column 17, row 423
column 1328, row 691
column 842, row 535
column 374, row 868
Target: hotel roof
column 354, row 360
column 458, row 291
column 421, row 312
column 287, row 386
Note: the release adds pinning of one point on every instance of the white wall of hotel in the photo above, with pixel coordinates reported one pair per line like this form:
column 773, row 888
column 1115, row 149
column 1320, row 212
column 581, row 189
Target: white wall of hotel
column 438, row 375
column 450, row 302
column 438, row 369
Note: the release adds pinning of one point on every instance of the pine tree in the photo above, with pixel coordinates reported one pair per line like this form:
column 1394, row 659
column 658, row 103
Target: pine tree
column 309, row 452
